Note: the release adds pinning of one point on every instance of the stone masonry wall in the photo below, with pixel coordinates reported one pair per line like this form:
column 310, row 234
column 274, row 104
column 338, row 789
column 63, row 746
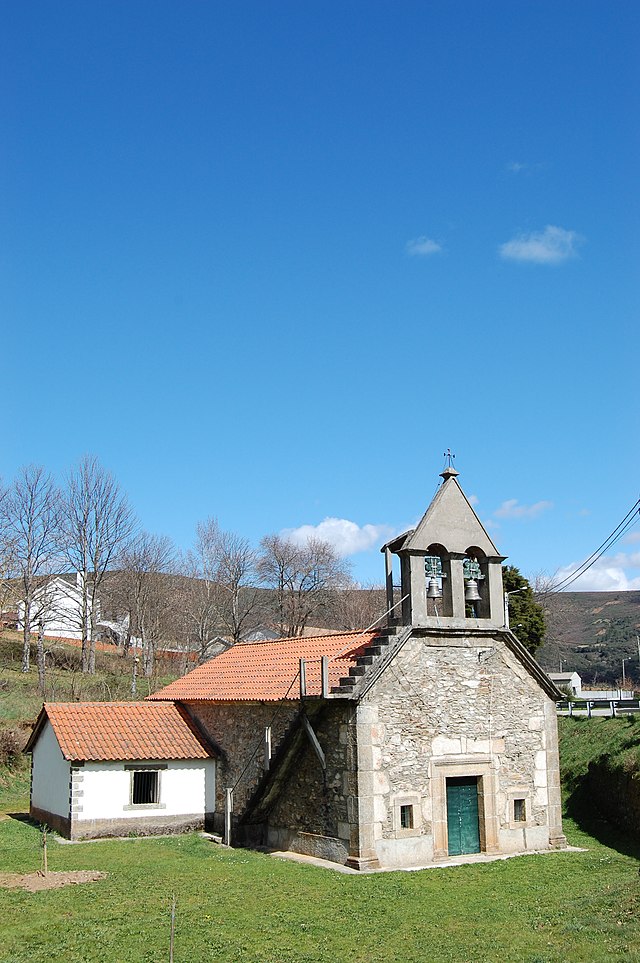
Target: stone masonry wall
column 314, row 812
column 443, row 707
column 448, row 705
column 238, row 730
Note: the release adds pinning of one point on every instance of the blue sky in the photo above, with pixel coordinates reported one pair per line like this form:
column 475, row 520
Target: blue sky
column 268, row 261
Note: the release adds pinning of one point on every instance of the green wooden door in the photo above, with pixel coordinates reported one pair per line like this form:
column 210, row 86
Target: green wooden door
column 462, row 815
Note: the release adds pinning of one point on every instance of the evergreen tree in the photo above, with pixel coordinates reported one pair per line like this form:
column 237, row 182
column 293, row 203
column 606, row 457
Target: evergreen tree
column 526, row 616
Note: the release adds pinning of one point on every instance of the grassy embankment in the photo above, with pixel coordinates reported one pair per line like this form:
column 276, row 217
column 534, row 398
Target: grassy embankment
column 238, row 905
column 600, row 764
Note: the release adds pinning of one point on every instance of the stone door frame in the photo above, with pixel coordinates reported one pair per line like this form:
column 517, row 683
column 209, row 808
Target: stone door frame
column 474, row 766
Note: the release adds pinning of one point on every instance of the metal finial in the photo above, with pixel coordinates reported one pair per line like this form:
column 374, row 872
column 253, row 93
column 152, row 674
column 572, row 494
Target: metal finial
column 449, row 471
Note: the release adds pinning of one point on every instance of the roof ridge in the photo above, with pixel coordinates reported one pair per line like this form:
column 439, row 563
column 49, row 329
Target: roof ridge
column 91, row 702
column 261, row 671
column 116, row 731
column 305, row 638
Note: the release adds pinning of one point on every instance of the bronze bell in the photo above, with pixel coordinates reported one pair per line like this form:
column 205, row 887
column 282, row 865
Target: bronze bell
column 471, row 593
column 433, row 589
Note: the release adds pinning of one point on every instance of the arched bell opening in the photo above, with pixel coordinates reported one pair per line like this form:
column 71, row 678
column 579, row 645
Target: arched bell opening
column 437, row 573
column 476, row 584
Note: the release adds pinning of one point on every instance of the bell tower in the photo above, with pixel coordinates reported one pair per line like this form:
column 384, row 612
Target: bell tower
column 450, row 570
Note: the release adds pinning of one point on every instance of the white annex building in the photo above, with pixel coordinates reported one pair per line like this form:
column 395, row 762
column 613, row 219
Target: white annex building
column 111, row 768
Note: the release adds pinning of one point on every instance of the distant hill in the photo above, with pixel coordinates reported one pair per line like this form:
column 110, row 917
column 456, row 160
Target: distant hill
column 592, row 632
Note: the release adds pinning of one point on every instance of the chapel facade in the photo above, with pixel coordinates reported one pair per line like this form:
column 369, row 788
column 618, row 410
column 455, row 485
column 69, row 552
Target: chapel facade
column 431, row 737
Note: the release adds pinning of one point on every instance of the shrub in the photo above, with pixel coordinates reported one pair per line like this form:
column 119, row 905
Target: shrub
column 12, row 742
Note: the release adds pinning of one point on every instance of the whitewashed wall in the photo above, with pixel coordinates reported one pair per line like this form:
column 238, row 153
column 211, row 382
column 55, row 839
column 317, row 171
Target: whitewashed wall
column 62, row 606
column 50, row 778
column 186, row 788
column 63, row 616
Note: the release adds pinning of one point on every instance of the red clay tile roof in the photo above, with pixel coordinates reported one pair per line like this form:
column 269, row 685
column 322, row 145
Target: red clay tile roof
column 99, row 731
column 267, row 671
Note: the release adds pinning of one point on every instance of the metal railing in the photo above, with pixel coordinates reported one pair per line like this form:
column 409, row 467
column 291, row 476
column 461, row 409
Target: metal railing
column 591, row 708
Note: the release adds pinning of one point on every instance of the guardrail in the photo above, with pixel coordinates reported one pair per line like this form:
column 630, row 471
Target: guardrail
column 598, row 707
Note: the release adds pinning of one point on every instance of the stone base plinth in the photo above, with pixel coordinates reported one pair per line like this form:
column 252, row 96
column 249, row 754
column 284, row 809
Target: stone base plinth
column 363, row 863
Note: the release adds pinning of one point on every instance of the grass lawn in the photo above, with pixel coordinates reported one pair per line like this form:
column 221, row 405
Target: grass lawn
column 238, row 905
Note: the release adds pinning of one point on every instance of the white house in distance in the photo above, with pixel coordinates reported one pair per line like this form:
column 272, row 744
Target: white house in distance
column 567, row 680
column 58, row 605
column 111, row 768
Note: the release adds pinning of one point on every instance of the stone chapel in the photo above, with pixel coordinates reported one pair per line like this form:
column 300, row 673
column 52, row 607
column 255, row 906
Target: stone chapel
column 431, row 737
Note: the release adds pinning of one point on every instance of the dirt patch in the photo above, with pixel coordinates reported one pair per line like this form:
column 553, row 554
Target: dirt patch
column 34, row 882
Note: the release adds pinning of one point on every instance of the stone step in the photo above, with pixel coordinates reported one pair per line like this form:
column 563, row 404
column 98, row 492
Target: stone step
column 365, row 660
column 347, row 681
column 357, row 670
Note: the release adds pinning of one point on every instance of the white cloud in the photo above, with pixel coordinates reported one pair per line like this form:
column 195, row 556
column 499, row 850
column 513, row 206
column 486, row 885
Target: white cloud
column 423, row 247
column 523, row 167
column 611, row 573
column 346, row 537
column 632, row 538
column 473, row 500
column 551, row 246
column 511, row 509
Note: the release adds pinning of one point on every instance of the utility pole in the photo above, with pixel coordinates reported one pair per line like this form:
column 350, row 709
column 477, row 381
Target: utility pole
column 506, row 603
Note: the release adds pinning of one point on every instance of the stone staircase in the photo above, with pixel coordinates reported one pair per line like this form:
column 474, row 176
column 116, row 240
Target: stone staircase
column 383, row 642
column 266, row 788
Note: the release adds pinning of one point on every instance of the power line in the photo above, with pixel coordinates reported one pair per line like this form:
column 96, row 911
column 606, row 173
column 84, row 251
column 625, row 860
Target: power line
column 621, row 529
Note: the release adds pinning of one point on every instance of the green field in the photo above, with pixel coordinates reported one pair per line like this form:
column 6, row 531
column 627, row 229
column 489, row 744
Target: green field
column 235, row 905
column 238, row 905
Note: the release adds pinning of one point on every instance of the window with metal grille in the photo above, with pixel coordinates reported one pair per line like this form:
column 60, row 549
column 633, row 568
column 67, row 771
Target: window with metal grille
column 406, row 817
column 146, row 784
column 519, row 811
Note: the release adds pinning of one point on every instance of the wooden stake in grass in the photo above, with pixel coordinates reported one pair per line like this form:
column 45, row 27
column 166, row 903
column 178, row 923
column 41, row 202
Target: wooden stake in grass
column 44, row 850
column 173, row 927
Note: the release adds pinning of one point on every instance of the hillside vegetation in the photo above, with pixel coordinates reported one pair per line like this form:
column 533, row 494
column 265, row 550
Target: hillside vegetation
column 592, row 632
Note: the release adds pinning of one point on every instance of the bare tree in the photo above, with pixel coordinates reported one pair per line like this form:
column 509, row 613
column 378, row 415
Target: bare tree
column 238, row 596
column 43, row 607
column 96, row 522
column 358, row 607
column 8, row 567
column 200, row 601
column 30, row 514
column 144, row 563
column 225, row 596
column 304, row 579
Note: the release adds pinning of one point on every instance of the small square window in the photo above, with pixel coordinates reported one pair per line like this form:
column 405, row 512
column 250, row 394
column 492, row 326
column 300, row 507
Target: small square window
column 519, row 810
column 145, row 787
column 406, row 817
